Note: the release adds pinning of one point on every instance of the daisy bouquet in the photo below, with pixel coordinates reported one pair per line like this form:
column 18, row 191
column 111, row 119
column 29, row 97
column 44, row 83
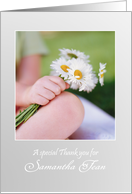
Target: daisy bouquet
column 74, row 68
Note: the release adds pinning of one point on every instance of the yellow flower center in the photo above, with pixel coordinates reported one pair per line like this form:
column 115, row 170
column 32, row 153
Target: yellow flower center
column 78, row 73
column 102, row 75
column 71, row 55
column 64, row 68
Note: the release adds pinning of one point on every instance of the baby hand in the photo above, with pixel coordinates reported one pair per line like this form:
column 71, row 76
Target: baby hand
column 45, row 89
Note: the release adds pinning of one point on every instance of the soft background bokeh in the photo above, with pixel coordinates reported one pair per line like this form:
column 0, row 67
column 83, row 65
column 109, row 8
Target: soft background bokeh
column 100, row 45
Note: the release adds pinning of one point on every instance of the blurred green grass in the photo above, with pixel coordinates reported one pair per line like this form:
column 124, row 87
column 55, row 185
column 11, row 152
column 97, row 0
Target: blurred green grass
column 100, row 45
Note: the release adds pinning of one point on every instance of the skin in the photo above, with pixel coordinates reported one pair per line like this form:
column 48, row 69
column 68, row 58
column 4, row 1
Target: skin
column 61, row 113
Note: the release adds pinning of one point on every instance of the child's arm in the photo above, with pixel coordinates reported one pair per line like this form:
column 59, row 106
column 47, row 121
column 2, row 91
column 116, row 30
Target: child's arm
column 30, row 89
column 28, row 71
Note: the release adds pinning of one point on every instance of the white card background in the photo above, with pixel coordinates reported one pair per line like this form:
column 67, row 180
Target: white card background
column 115, row 155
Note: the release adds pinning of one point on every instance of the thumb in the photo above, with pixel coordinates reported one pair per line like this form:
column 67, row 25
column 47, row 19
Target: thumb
column 67, row 85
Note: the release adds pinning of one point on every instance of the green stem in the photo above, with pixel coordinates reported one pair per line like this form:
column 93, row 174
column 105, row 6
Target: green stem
column 18, row 123
column 24, row 110
column 31, row 114
column 26, row 114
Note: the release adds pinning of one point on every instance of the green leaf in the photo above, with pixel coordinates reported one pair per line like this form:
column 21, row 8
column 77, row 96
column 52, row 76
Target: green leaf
column 71, row 55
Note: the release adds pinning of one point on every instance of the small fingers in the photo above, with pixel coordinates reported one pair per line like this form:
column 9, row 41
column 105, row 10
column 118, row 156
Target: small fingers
column 40, row 100
column 67, row 85
column 49, row 86
column 59, row 81
column 53, row 87
column 46, row 93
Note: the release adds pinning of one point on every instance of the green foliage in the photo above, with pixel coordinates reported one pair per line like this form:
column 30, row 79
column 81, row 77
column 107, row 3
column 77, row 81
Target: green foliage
column 100, row 45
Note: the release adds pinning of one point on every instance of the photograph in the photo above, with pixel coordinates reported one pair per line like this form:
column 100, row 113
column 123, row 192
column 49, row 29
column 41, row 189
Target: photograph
column 65, row 85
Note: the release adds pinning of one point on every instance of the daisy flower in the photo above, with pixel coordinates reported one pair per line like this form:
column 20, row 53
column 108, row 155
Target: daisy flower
column 74, row 86
column 61, row 67
column 90, row 84
column 81, row 75
column 69, row 54
column 54, row 73
column 101, row 73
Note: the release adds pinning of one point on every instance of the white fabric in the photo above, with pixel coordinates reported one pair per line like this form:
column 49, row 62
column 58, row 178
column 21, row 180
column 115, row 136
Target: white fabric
column 97, row 124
